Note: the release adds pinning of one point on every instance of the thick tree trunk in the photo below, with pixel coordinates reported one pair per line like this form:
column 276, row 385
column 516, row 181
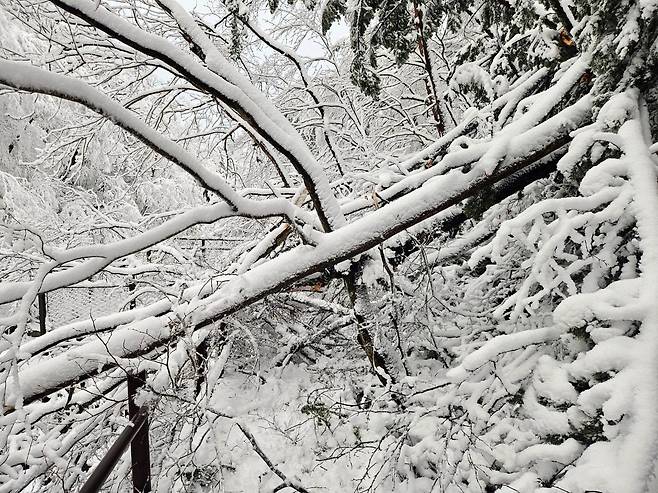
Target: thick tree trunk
column 361, row 304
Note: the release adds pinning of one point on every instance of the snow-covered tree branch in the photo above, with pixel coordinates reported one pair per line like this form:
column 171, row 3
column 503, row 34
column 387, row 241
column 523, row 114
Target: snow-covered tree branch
column 347, row 246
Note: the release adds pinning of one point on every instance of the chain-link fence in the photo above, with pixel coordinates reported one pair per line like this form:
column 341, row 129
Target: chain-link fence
column 66, row 305
column 69, row 304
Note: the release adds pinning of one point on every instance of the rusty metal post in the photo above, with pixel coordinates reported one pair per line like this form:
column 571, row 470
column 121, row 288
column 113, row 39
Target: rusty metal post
column 139, row 447
column 42, row 313
column 104, row 468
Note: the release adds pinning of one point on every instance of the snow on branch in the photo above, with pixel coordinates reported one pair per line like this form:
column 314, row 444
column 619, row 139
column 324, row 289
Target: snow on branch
column 229, row 87
column 357, row 237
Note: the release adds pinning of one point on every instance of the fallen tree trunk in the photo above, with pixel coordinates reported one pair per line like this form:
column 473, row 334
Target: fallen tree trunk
column 436, row 196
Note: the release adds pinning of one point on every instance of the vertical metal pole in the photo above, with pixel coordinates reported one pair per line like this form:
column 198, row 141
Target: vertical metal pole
column 139, row 447
column 42, row 313
column 202, row 365
column 103, row 470
column 131, row 288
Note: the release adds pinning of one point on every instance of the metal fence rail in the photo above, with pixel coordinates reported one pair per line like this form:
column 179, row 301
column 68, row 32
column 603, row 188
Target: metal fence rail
column 65, row 305
column 136, row 435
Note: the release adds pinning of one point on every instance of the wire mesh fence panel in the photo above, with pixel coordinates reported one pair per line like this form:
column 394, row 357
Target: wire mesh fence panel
column 69, row 304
